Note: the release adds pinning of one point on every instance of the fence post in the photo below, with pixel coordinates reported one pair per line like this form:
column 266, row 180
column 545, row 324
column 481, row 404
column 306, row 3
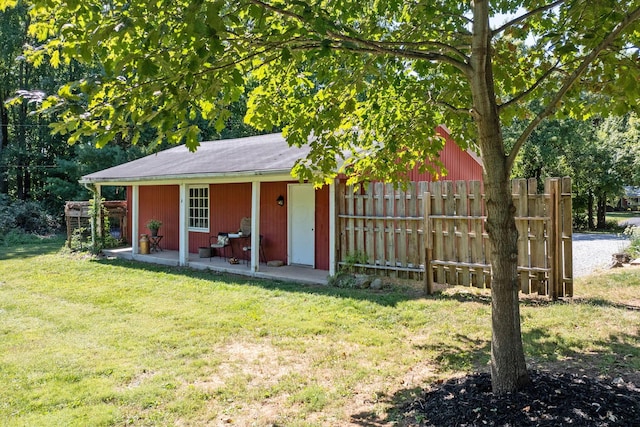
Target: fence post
column 567, row 237
column 428, row 274
column 555, row 240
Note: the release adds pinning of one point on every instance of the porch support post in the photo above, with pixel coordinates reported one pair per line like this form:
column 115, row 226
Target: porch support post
column 332, row 228
column 99, row 219
column 183, row 235
column 255, row 226
column 135, row 212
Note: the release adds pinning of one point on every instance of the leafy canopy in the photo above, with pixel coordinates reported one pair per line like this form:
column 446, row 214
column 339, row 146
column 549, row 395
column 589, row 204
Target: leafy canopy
column 371, row 77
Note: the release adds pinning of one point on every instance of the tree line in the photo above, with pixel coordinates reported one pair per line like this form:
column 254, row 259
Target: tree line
column 37, row 165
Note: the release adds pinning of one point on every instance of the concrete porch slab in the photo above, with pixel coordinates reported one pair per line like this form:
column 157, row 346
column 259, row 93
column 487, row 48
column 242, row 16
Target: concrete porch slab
column 289, row 273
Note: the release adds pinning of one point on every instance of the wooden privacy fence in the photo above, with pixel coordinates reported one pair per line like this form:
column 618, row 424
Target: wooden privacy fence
column 438, row 227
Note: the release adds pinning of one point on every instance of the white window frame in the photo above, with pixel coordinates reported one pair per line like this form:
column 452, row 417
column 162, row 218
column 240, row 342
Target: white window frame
column 199, row 208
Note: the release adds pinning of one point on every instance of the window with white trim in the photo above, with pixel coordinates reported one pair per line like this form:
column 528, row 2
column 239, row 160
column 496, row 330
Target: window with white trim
column 199, row 208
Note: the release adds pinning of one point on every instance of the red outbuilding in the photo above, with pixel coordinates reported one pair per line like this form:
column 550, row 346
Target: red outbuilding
column 197, row 195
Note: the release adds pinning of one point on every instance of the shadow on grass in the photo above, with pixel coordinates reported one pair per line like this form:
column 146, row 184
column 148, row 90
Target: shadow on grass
column 46, row 246
column 386, row 297
column 618, row 357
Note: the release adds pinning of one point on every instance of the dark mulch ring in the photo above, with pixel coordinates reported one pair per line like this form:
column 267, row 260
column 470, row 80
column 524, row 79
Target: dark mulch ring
column 553, row 399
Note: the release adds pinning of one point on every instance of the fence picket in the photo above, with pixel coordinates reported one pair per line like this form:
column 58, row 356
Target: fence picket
column 437, row 207
column 380, row 224
column 537, row 240
column 477, row 244
column 390, row 195
column 401, row 235
column 411, row 226
column 521, row 199
column 449, row 230
column 462, row 209
column 369, row 235
column 567, row 236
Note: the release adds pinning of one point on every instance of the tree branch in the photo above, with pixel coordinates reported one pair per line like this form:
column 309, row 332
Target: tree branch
column 632, row 17
column 531, row 89
column 444, row 46
column 369, row 46
column 526, row 16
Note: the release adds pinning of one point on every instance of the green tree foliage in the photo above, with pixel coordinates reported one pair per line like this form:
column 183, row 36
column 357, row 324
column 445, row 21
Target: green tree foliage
column 601, row 155
column 364, row 77
column 38, row 165
column 28, row 151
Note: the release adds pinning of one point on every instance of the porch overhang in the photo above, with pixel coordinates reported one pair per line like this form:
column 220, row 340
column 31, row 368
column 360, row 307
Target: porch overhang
column 211, row 178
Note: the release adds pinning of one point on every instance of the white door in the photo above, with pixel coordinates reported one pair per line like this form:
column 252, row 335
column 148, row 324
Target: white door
column 302, row 221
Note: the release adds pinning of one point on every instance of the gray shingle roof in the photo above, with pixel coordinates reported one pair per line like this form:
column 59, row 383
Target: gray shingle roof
column 256, row 154
column 631, row 191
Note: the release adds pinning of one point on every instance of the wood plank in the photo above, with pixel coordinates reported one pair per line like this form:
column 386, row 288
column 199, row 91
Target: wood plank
column 567, row 237
column 370, row 237
column 359, row 223
column 423, row 187
column 428, row 243
column 390, row 199
column 351, row 223
column 401, row 243
column 450, row 230
column 477, row 227
column 553, row 232
column 536, row 240
column 519, row 188
column 341, row 207
column 437, row 207
column 462, row 209
column 380, row 224
column 413, row 254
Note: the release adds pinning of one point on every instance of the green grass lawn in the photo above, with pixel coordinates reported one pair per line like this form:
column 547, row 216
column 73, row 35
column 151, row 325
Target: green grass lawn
column 622, row 216
column 107, row 342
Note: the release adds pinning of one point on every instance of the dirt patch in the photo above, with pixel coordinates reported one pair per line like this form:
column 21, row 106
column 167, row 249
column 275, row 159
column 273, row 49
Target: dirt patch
column 554, row 398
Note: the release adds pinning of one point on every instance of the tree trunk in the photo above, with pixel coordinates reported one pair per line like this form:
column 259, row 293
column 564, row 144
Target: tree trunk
column 22, row 154
column 508, row 367
column 601, row 213
column 590, row 222
column 4, row 140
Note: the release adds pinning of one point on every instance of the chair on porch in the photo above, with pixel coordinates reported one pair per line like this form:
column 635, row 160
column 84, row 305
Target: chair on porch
column 247, row 252
column 245, row 226
column 220, row 243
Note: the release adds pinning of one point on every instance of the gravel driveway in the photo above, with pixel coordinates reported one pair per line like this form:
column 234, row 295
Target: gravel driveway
column 593, row 251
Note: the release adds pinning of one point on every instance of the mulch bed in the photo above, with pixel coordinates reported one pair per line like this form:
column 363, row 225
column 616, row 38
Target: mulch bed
column 553, row 399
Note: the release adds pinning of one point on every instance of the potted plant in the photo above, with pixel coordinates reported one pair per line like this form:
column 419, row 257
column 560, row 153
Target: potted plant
column 153, row 225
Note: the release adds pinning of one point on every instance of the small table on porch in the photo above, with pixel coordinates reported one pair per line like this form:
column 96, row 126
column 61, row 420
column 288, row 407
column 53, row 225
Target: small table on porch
column 238, row 240
column 154, row 243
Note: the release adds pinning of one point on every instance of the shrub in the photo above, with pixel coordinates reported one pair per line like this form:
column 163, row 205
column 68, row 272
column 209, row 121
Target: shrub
column 24, row 217
column 580, row 221
column 633, row 234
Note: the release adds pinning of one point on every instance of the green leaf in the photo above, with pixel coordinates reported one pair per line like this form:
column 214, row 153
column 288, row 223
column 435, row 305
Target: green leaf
column 147, row 68
column 7, row 4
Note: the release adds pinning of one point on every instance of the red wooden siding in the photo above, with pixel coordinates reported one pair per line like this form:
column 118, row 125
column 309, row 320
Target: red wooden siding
column 460, row 165
column 228, row 204
column 161, row 202
column 273, row 220
column 322, row 228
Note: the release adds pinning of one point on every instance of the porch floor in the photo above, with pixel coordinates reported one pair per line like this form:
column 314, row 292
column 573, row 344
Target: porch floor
column 290, row 273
